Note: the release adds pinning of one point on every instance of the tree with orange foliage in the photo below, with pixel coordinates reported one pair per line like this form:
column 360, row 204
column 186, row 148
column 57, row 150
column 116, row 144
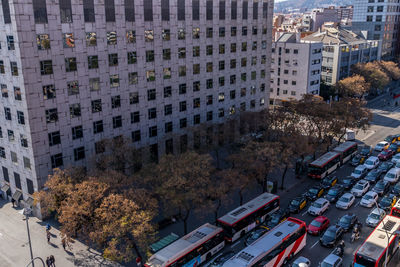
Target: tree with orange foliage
column 353, row 86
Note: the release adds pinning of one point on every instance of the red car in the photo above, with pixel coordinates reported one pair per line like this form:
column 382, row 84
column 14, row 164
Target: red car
column 386, row 154
column 318, row 225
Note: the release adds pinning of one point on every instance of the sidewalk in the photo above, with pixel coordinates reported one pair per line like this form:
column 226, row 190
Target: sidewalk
column 14, row 246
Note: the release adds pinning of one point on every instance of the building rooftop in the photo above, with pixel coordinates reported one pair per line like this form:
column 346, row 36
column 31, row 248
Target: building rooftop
column 335, row 36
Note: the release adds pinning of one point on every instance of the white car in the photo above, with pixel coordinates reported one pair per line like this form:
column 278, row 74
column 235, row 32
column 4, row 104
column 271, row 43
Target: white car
column 396, row 158
column 345, row 201
column 369, row 199
column 301, row 262
column 360, row 188
column 397, row 165
column 381, row 145
column 392, row 176
column 359, row 172
column 318, row 207
column 375, row 217
column 371, row 163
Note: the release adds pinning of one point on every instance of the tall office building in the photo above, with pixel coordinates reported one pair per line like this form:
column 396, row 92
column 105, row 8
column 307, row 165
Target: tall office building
column 74, row 73
column 378, row 20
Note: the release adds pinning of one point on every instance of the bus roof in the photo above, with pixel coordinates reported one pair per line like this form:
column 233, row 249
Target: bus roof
column 376, row 243
column 246, row 209
column 183, row 245
column 263, row 245
column 343, row 147
column 321, row 161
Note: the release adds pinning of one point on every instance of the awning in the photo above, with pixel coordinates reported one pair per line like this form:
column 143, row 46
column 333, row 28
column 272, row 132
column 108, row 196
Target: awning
column 17, row 195
column 5, row 188
column 29, row 201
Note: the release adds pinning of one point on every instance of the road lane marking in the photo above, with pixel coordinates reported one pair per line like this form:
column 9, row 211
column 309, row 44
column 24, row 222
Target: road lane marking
column 357, row 203
column 304, row 213
column 234, row 245
column 314, row 244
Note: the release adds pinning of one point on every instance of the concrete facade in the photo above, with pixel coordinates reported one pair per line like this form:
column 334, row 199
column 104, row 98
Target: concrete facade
column 142, row 69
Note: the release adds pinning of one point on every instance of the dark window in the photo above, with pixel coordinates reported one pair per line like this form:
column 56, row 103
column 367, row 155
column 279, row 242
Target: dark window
column 17, row 180
column 245, row 9
column 65, row 11
column 51, row 115
column 79, row 153
column 21, row 117
column 17, row 93
column 29, row 184
column 88, row 10
column 2, row 152
column 222, row 10
column 153, row 131
column 77, row 132
column 93, row 62
column 135, row 117
column 182, row 88
column 209, row 10
column 255, row 10
column 14, row 68
column 24, row 140
column 5, row 174
column 196, row 119
column 151, row 94
column 40, row 11
column 167, row 91
column 96, row 105
column 115, row 101
column 129, row 10
column 133, row 98
column 165, row 10
column 152, row 112
column 148, row 10
column 70, row 64
column 168, row 127
column 112, row 60
column 54, row 138
column 49, row 92
column 168, row 109
column 234, row 10
column 132, row 57
column 56, row 160
column 183, row 123
column 75, row 110
column 110, row 10
column 136, row 136
column 196, row 9
column 182, row 106
column 209, row 116
column 97, row 127
column 7, row 113
column 2, row 67
column 265, row 10
column 169, row 146
column 117, row 122
column 6, row 11
column 181, row 9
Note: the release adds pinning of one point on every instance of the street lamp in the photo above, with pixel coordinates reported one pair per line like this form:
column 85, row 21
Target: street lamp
column 36, row 258
column 27, row 212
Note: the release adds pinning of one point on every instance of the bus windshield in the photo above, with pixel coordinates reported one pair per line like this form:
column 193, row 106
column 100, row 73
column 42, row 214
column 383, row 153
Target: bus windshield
column 314, row 169
column 364, row 261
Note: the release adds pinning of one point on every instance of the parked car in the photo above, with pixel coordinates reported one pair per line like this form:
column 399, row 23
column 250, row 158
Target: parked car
column 366, row 151
column 369, row 199
column 332, row 260
column 375, row 217
column 255, row 234
column 373, row 176
column 390, row 139
column 347, row 182
column 359, row 172
column 360, row 188
column 347, row 221
column 394, row 147
column 328, row 182
column 314, row 192
column 301, row 262
column 334, row 193
column 371, row 163
column 318, row 225
column 297, row 204
column 357, row 159
column 392, row 176
column 387, row 202
column 318, row 207
column 381, row 187
column 277, row 217
column 386, row 166
column 396, row 189
column 331, row 236
column 345, row 201
column 221, row 259
column 395, row 158
column 397, row 165
column 381, row 146
column 385, row 154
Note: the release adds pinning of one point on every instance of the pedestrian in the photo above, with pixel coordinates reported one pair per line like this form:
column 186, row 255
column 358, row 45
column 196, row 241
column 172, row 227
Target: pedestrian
column 52, row 261
column 48, row 236
column 48, row 262
column 13, row 202
column 63, row 242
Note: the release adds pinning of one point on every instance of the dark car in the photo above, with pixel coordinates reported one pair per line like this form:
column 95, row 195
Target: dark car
column 385, row 166
column 366, row 151
column 394, row 147
column 347, row 221
column 334, row 193
column 385, row 154
column 297, row 204
column 255, row 234
column 314, row 192
column 318, row 225
column 373, row 176
column 396, row 189
column 390, row 138
column 381, row 187
column 221, row 259
column 347, row 182
column 356, row 160
column 331, row 236
column 275, row 218
column 387, row 202
column 328, row 182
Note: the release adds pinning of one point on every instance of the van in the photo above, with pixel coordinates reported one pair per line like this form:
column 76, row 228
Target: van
column 392, row 176
column 332, row 261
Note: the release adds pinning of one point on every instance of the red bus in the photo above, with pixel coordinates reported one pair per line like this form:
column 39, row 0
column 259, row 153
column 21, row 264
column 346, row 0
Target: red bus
column 347, row 150
column 324, row 165
column 246, row 217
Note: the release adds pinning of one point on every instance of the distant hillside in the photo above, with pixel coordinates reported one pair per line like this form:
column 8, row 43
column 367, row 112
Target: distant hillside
column 309, row 4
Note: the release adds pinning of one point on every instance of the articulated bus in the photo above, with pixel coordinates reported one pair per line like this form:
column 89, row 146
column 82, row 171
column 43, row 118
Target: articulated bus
column 275, row 248
column 346, row 150
column 324, row 165
column 372, row 252
column 190, row 250
column 246, row 217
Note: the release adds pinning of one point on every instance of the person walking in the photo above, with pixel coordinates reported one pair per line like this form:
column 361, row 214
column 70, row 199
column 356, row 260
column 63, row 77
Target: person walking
column 63, row 242
column 48, row 236
column 13, row 202
column 52, row 261
column 48, row 262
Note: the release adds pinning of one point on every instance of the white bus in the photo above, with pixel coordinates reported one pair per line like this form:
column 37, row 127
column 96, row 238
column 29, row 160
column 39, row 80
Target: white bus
column 324, row 165
column 246, row 217
column 190, row 250
column 275, row 248
column 347, row 150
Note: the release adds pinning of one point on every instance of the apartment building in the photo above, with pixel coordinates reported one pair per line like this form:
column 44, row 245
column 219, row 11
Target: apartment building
column 341, row 50
column 74, row 73
column 295, row 68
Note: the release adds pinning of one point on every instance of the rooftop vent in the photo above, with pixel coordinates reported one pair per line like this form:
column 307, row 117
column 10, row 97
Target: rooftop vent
column 235, row 213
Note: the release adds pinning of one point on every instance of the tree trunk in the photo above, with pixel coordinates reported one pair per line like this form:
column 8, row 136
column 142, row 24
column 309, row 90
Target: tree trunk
column 265, row 184
column 184, row 219
column 283, row 176
column 217, row 209
column 137, row 250
column 217, row 158
column 240, row 197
